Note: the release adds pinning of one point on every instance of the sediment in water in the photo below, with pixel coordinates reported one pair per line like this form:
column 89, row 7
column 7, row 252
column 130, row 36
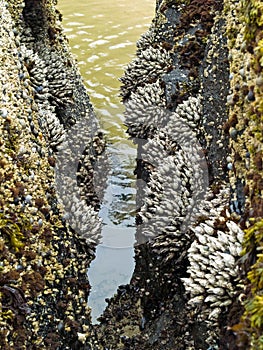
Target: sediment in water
column 198, row 75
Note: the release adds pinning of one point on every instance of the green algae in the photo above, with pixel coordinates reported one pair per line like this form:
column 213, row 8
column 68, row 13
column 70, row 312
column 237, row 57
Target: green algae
column 13, row 232
column 252, row 320
column 250, row 122
column 7, row 314
column 253, row 17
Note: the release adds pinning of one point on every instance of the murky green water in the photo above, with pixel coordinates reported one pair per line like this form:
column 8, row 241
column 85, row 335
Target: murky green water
column 102, row 35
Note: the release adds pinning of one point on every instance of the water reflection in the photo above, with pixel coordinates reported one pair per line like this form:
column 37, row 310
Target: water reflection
column 112, row 267
column 102, row 35
column 114, row 263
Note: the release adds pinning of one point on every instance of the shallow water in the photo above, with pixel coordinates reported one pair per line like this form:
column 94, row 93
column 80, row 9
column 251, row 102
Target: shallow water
column 102, row 35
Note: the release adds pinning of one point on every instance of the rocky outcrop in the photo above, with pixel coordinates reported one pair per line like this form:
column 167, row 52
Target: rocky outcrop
column 193, row 98
column 193, row 109
column 43, row 282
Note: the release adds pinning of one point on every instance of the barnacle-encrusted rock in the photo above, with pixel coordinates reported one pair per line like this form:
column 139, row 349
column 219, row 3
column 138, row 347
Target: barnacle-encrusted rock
column 43, row 282
column 245, row 129
column 50, row 125
column 177, row 181
column 187, row 242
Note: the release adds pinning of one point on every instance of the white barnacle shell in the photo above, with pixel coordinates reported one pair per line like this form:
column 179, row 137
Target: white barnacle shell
column 208, row 229
column 233, row 227
column 216, row 244
column 211, row 278
column 228, row 259
column 203, row 281
column 223, row 237
column 214, row 314
column 211, row 299
column 197, row 290
column 196, row 300
column 201, row 238
column 199, row 230
column 235, row 249
column 216, row 291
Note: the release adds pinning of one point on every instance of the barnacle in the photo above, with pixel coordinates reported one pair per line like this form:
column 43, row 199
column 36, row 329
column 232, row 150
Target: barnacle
column 166, row 201
column 145, row 40
column 190, row 110
column 174, row 190
column 51, row 126
column 176, row 183
column 75, row 162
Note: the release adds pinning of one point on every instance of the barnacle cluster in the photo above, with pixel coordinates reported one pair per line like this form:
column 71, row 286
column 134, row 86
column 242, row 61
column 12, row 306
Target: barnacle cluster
column 49, row 78
column 75, row 170
column 150, row 63
column 144, row 109
column 213, row 270
column 177, row 181
column 165, row 201
column 50, row 125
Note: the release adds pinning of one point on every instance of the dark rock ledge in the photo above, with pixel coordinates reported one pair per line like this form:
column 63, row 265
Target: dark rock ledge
column 193, row 98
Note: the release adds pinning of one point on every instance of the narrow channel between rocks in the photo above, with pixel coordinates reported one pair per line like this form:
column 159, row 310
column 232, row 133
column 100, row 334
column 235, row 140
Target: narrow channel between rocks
column 101, row 46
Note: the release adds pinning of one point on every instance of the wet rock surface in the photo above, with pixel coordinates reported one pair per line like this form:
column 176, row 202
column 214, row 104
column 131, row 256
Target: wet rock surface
column 43, row 282
column 190, row 280
column 193, row 106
